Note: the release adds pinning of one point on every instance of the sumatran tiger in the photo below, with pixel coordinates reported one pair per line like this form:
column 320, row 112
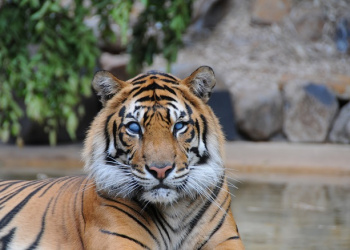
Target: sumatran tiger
column 155, row 176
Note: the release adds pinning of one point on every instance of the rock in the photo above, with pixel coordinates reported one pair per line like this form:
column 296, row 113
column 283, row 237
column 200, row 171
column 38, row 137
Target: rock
column 220, row 102
column 279, row 137
column 258, row 112
column 340, row 84
column 342, row 35
column 270, row 11
column 340, row 132
column 308, row 20
column 206, row 14
column 309, row 111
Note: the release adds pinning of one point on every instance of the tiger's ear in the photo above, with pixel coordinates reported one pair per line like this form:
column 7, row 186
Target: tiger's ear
column 201, row 82
column 106, row 85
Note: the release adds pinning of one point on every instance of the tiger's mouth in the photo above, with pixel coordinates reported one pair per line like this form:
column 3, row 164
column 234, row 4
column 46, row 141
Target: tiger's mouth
column 161, row 185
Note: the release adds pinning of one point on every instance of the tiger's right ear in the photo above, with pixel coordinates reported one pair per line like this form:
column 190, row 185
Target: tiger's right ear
column 106, row 85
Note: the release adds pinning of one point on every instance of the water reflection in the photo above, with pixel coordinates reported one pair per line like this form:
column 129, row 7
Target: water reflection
column 293, row 215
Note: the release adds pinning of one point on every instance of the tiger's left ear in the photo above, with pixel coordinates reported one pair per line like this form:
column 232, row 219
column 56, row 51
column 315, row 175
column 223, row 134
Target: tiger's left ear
column 106, row 85
column 201, row 82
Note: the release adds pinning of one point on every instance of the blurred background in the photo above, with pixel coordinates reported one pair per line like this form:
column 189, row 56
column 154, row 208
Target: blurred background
column 282, row 96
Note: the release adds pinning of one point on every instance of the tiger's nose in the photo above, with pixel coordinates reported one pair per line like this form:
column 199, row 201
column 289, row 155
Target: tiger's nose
column 160, row 171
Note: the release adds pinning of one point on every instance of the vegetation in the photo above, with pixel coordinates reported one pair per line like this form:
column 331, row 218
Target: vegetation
column 48, row 54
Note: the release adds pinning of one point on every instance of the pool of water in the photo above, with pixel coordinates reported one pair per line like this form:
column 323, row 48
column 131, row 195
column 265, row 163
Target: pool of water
column 293, row 215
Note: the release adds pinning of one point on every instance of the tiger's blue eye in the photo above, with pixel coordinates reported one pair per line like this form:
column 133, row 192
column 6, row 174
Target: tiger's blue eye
column 134, row 127
column 179, row 125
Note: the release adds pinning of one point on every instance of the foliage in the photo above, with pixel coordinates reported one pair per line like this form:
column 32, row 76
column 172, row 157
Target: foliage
column 48, row 54
column 159, row 29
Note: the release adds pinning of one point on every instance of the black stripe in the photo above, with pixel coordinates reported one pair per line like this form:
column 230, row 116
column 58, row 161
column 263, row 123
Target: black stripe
column 20, row 188
column 125, row 237
column 106, row 132
column 196, row 124
column 122, row 112
column 205, row 130
column 137, row 221
column 115, row 134
column 82, row 203
column 40, row 234
column 139, row 82
column 68, row 181
column 10, row 215
column 232, row 238
column 169, row 81
column 172, row 105
column 120, row 135
column 144, row 99
column 152, row 86
column 167, row 121
column 204, row 208
column 192, row 136
column 167, row 75
column 118, row 202
column 139, row 78
column 168, row 116
column 189, row 109
column 133, row 90
column 9, row 184
column 170, row 90
column 203, row 158
column 161, row 218
column 161, row 234
column 52, row 183
column 6, row 240
column 219, row 208
column 219, row 225
column 76, row 202
column 162, row 225
column 168, row 98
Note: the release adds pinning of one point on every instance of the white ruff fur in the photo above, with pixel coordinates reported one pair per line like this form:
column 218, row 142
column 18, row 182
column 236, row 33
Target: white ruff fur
column 119, row 180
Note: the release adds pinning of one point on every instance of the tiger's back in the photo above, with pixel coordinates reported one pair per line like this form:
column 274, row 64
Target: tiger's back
column 39, row 213
column 155, row 176
column 68, row 213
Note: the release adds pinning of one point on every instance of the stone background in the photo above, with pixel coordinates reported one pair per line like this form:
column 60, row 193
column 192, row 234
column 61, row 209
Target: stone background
column 285, row 63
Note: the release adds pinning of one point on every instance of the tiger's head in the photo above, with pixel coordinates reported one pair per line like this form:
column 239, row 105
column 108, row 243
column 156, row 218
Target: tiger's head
column 155, row 138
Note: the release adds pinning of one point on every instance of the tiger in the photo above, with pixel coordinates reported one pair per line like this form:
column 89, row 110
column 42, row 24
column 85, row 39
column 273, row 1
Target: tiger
column 155, row 177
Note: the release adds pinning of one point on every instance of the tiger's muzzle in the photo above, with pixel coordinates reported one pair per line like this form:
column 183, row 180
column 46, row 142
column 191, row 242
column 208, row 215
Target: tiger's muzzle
column 160, row 171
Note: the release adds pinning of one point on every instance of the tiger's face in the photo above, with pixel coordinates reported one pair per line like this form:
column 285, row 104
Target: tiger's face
column 155, row 138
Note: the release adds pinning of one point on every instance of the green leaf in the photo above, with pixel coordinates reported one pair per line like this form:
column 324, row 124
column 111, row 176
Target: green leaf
column 72, row 125
column 41, row 12
column 52, row 137
column 40, row 26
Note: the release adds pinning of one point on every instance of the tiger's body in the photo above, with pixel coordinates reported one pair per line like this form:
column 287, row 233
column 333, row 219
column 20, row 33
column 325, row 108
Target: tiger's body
column 155, row 179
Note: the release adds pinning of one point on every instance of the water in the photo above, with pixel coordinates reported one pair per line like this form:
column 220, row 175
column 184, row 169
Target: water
column 293, row 215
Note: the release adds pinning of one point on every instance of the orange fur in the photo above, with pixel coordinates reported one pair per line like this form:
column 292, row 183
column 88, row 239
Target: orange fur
column 150, row 122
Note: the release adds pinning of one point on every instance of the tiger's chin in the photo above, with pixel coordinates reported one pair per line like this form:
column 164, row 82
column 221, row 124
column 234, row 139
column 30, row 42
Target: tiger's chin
column 160, row 196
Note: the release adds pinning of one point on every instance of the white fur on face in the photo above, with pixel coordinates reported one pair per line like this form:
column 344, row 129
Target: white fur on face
column 116, row 178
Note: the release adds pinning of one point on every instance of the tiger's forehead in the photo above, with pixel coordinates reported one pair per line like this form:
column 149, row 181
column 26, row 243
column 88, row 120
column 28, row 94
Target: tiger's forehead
column 156, row 90
column 156, row 95
column 154, row 75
